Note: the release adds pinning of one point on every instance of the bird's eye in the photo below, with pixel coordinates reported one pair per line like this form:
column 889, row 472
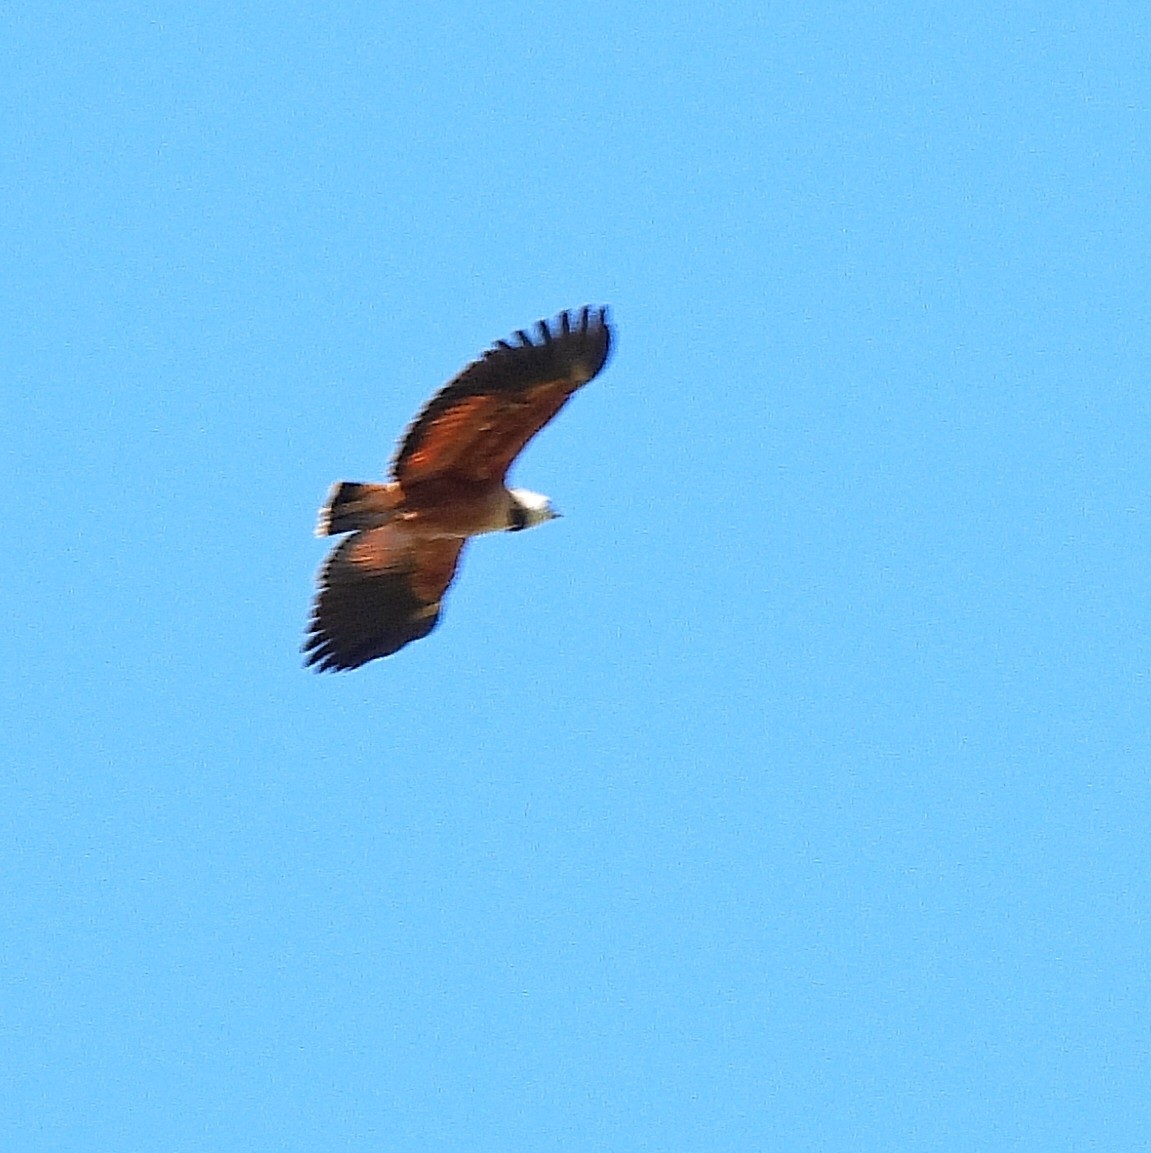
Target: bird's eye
column 518, row 519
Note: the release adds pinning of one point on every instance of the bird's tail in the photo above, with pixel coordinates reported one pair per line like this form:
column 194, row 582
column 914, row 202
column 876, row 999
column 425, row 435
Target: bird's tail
column 351, row 507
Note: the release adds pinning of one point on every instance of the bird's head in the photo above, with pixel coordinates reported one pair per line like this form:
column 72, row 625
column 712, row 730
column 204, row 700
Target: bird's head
column 529, row 509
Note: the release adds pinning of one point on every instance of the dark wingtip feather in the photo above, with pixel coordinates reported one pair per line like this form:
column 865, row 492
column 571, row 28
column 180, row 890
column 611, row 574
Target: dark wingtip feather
column 570, row 329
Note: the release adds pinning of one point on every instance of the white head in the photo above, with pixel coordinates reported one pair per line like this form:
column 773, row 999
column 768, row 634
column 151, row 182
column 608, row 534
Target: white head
column 528, row 509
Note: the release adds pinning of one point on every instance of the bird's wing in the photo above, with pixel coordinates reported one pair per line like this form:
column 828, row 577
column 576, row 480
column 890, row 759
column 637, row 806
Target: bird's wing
column 379, row 590
column 472, row 430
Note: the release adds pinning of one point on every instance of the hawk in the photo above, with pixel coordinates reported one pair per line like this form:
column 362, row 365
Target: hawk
column 383, row 586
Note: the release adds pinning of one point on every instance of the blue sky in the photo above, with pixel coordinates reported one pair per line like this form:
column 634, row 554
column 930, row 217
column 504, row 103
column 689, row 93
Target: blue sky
column 792, row 792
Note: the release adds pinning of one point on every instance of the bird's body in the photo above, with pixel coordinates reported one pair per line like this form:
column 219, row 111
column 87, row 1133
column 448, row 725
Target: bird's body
column 383, row 586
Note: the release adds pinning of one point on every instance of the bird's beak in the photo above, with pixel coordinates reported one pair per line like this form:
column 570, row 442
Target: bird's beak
column 556, row 514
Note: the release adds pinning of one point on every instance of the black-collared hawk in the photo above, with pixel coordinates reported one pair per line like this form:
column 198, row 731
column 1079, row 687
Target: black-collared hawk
column 384, row 585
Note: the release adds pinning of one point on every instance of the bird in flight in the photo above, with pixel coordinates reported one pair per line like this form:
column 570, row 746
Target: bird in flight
column 383, row 586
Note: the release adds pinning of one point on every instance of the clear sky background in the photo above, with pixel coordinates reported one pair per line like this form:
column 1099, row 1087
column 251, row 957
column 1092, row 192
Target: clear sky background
column 793, row 792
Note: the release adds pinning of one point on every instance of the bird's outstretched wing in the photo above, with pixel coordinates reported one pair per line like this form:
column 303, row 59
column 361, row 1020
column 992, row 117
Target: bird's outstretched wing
column 473, row 428
column 379, row 590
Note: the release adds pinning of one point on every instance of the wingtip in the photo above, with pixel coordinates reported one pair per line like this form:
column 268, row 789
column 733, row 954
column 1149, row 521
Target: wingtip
column 579, row 322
